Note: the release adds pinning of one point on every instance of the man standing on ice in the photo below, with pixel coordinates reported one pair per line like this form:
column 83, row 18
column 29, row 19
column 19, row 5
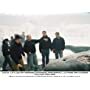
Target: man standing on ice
column 58, row 45
column 6, row 54
column 30, row 49
column 44, row 47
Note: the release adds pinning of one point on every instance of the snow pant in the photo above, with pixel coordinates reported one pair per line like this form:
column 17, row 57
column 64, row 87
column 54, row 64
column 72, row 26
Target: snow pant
column 45, row 57
column 32, row 62
column 7, row 61
column 58, row 53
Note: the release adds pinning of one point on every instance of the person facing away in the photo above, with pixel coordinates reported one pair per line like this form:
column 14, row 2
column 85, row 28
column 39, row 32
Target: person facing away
column 16, row 52
column 6, row 54
column 23, row 38
column 11, row 41
column 44, row 47
column 30, row 49
column 58, row 45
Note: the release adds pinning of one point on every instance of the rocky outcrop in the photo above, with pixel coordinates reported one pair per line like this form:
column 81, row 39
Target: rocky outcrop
column 77, row 49
column 75, row 62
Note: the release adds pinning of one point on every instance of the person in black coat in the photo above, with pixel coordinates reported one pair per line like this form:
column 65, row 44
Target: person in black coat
column 30, row 49
column 6, row 54
column 17, row 52
column 44, row 47
column 58, row 45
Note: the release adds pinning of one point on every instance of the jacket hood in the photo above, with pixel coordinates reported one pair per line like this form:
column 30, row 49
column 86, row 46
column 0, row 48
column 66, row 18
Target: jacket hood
column 5, row 40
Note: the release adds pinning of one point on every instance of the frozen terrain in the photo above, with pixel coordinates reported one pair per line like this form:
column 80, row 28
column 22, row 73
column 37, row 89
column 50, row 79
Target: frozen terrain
column 74, row 28
column 75, row 62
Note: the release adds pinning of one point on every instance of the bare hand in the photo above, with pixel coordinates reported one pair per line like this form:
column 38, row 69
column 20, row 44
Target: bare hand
column 19, row 65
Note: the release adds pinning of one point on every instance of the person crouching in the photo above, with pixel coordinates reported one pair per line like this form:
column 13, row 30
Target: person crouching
column 16, row 53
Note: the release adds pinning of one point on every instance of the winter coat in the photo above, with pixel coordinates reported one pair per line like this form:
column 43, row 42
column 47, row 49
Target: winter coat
column 45, row 43
column 29, row 46
column 5, row 49
column 58, row 44
column 16, row 52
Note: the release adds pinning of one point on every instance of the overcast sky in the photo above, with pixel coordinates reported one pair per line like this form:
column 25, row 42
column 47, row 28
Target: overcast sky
column 33, row 7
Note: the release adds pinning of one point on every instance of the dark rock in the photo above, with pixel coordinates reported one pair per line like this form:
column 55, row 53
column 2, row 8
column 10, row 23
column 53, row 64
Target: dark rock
column 77, row 49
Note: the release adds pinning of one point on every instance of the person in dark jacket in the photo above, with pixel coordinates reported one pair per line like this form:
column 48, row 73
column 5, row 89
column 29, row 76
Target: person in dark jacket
column 44, row 47
column 30, row 49
column 58, row 45
column 6, row 54
column 17, row 52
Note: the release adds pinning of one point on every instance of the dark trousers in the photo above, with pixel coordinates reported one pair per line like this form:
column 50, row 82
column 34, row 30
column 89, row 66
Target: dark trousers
column 7, row 61
column 45, row 57
column 58, row 53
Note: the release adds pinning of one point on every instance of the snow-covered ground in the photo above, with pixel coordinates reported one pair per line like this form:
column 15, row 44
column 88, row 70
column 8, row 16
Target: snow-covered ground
column 76, row 62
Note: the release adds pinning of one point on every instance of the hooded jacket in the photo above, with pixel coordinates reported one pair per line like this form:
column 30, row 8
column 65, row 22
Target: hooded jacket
column 45, row 43
column 5, row 48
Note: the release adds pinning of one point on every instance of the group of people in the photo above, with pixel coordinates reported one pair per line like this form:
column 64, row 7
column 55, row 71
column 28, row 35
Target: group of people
column 14, row 49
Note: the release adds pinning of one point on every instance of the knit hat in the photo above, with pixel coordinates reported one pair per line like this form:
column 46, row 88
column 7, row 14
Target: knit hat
column 17, row 36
